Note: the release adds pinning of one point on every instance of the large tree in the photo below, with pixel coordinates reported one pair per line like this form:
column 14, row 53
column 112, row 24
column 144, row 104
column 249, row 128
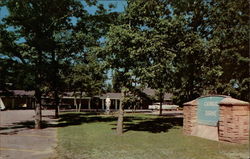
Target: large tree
column 41, row 31
column 179, row 46
column 118, row 57
column 230, row 34
column 46, row 36
column 223, row 28
column 133, row 51
column 155, row 45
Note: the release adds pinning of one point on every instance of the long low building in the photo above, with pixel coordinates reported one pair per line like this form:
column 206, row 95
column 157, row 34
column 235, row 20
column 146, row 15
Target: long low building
column 21, row 99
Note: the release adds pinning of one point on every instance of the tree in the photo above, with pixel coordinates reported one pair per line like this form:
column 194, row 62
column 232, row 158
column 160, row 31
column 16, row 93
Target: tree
column 12, row 65
column 46, row 36
column 155, row 44
column 41, row 31
column 131, row 52
column 222, row 29
column 118, row 57
column 87, row 75
column 230, row 35
column 109, row 87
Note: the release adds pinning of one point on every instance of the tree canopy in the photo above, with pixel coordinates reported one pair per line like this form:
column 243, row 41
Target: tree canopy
column 47, row 36
column 188, row 48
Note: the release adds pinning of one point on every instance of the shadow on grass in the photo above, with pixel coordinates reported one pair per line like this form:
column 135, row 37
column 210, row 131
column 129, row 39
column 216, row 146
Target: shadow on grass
column 79, row 118
column 131, row 123
column 20, row 126
column 65, row 120
column 156, row 125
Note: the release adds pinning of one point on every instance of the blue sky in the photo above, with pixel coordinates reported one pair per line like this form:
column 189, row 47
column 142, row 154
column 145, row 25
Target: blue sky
column 119, row 4
column 119, row 7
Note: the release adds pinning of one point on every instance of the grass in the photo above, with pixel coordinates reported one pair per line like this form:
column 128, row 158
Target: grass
column 89, row 136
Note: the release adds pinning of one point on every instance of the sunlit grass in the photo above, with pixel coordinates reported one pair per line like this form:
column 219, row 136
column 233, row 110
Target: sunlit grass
column 93, row 137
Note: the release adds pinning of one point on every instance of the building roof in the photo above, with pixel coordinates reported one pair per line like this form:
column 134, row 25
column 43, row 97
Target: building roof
column 112, row 95
column 19, row 93
column 152, row 92
column 71, row 94
column 84, row 95
column 148, row 91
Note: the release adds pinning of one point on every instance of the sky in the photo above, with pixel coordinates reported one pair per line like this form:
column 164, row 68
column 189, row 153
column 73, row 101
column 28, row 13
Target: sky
column 119, row 4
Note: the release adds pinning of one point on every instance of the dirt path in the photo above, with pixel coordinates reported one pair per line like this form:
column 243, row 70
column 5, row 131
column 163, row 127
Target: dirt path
column 19, row 140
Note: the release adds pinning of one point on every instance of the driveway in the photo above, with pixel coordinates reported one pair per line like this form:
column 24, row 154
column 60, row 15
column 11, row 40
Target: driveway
column 19, row 139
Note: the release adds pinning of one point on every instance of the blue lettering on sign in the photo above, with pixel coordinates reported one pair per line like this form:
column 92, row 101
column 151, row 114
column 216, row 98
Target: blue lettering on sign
column 208, row 110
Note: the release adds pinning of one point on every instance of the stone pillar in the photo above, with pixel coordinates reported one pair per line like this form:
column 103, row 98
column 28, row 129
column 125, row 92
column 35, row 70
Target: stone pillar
column 103, row 104
column 89, row 104
column 234, row 121
column 118, row 105
column 190, row 117
column 33, row 102
column 26, row 102
column 115, row 104
column 13, row 102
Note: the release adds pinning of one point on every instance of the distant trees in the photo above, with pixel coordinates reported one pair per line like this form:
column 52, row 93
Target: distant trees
column 86, row 75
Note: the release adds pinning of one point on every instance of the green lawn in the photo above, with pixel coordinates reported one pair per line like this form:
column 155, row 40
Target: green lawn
column 86, row 136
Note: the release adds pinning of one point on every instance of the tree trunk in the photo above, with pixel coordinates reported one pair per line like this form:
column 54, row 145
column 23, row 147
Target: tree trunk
column 75, row 103
column 56, row 98
column 38, row 93
column 38, row 112
column 119, row 128
column 160, row 108
column 56, row 111
column 55, row 85
column 161, row 101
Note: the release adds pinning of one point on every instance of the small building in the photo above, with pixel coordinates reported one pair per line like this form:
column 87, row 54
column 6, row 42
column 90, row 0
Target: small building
column 21, row 99
column 87, row 103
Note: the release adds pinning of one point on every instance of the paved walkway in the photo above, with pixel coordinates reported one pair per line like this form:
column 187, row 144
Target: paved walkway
column 18, row 139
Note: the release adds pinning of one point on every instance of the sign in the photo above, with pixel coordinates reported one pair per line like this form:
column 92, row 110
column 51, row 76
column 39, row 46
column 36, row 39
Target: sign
column 208, row 110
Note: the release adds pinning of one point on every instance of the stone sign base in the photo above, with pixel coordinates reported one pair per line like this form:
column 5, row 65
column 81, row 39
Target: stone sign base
column 233, row 124
column 206, row 131
column 234, row 121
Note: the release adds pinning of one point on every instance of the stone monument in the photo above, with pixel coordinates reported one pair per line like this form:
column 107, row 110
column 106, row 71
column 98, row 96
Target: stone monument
column 108, row 103
column 217, row 117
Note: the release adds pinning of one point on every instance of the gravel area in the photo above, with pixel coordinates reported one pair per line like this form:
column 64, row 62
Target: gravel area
column 19, row 139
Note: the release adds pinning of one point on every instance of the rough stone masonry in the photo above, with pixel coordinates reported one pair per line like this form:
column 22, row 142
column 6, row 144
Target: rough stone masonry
column 233, row 121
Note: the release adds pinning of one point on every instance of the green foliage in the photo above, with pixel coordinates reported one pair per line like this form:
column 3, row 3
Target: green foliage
column 15, row 75
column 231, row 37
column 87, row 76
column 51, row 35
column 108, row 87
column 220, row 29
column 189, row 48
